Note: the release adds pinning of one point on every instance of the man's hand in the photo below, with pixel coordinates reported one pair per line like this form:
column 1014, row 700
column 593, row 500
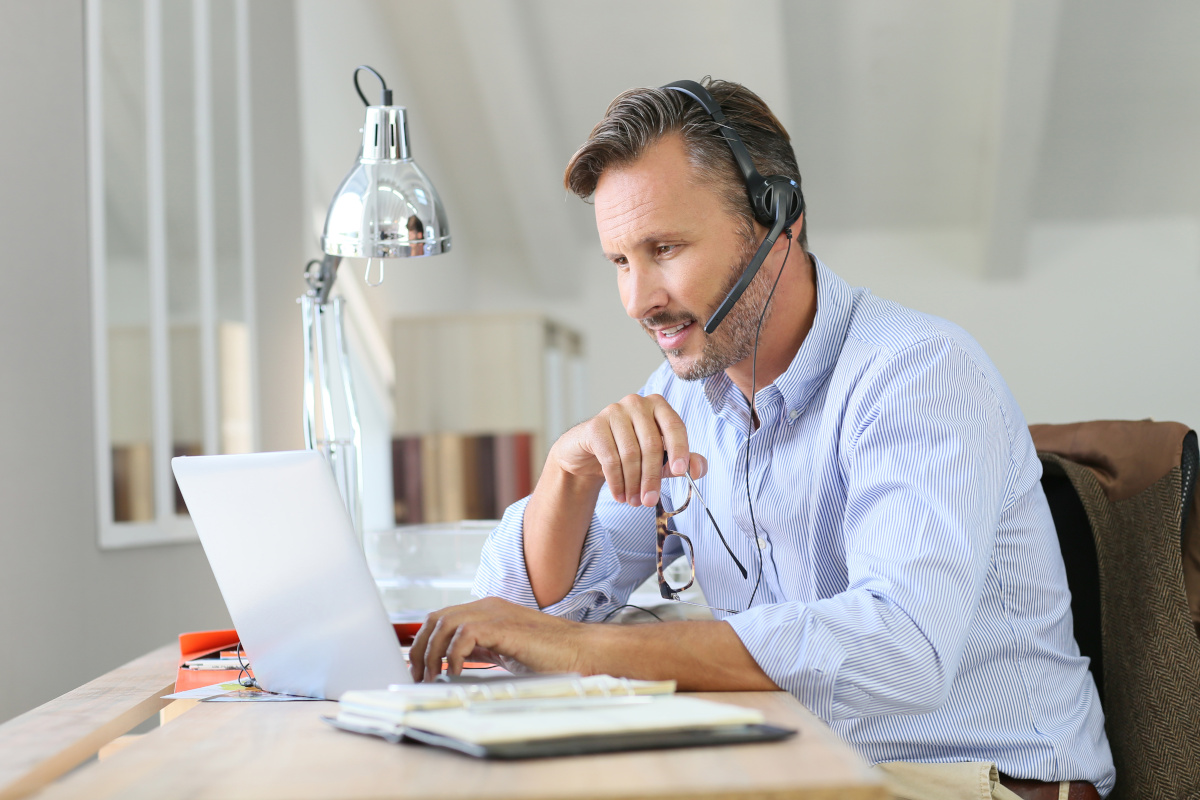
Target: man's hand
column 496, row 630
column 623, row 445
column 700, row 656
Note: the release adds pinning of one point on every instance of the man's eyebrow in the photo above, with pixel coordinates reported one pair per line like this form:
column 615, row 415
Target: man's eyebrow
column 656, row 236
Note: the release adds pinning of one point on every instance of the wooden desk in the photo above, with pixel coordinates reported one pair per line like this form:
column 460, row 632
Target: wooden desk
column 227, row 751
column 42, row 744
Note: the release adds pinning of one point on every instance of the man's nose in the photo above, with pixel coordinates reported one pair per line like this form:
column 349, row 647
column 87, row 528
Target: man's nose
column 645, row 294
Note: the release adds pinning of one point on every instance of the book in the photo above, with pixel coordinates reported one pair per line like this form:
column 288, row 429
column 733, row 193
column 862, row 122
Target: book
column 505, row 468
column 452, row 493
column 430, row 502
column 484, row 478
column 558, row 715
column 523, row 463
column 406, row 480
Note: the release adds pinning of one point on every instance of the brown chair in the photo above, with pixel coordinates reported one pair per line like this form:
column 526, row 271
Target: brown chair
column 1125, row 507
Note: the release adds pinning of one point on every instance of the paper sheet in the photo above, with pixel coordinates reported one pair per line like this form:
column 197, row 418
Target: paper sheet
column 232, row 693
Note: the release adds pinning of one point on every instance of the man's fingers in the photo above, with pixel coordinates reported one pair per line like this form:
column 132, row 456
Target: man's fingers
column 699, row 466
column 674, row 436
column 631, row 457
column 462, row 645
column 495, row 630
column 604, row 448
column 416, row 653
column 628, row 440
column 438, row 644
column 650, row 443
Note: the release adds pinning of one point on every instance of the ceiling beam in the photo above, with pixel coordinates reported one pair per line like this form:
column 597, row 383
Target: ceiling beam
column 1027, row 41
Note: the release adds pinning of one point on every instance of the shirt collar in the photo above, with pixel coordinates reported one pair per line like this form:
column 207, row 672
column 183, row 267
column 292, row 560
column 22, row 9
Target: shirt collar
column 817, row 355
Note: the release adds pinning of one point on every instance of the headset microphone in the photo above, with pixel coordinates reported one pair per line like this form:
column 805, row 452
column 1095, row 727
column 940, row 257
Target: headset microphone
column 751, row 270
column 775, row 200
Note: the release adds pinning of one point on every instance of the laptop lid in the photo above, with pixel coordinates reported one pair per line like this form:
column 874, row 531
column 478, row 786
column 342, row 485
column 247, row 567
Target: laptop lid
column 292, row 572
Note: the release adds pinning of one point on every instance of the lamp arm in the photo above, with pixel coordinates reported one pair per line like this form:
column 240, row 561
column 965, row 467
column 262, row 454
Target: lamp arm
column 326, row 354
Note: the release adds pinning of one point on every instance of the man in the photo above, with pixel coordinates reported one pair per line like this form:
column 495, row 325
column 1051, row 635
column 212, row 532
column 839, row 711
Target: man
column 903, row 575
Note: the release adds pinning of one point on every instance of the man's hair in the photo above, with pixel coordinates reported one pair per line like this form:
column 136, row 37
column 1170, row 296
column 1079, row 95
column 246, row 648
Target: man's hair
column 639, row 118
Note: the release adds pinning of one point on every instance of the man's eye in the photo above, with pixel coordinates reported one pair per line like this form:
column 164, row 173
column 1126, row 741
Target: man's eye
column 664, row 249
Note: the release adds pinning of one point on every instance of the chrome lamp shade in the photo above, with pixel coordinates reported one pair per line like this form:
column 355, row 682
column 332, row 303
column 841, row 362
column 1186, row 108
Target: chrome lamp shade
column 385, row 207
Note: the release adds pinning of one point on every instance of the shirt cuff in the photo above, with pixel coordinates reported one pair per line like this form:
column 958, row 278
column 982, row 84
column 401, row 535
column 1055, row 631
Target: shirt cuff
column 788, row 643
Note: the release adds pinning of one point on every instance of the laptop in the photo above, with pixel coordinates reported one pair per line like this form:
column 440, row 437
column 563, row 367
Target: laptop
column 292, row 572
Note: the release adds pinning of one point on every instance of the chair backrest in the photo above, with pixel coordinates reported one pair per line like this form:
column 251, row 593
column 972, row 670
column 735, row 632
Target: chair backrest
column 1149, row 664
column 1083, row 569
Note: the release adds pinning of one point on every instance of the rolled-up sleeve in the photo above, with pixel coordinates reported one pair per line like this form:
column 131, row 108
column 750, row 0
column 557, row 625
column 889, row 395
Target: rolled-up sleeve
column 926, row 463
column 618, row 554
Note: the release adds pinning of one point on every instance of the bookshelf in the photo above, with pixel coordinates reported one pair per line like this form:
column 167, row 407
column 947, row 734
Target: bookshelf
column 479, row 398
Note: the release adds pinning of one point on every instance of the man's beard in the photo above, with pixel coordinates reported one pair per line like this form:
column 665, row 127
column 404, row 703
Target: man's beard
column 733, row 340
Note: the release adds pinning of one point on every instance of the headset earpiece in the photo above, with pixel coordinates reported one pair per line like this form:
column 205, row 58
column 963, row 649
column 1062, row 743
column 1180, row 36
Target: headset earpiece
column 762, row 199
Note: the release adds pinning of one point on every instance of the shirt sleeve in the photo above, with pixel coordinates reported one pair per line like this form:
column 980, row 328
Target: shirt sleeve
column 618, row 554
column 925, row 457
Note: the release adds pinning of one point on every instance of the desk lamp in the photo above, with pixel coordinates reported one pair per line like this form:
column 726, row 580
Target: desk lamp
column 385, row 208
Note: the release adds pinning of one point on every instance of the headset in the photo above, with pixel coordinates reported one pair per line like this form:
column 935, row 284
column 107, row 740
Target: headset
column 776, row 201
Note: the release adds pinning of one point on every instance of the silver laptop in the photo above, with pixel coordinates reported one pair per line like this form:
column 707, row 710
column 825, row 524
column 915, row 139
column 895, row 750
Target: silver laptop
column 292, row 572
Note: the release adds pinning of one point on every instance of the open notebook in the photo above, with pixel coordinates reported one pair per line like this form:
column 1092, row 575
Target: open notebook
column 561, row 715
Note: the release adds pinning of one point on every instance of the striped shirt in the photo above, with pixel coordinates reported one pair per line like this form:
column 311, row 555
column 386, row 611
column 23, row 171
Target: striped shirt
column 913, row 594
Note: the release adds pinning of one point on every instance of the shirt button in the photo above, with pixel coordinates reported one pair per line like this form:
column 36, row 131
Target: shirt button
column 792, row 416
column 762, row 543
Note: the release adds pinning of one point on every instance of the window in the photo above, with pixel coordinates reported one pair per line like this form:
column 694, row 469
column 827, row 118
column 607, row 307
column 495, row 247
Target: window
column 171, row 252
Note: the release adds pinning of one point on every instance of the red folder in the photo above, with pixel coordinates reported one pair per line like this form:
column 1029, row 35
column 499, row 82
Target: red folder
column 199, row 644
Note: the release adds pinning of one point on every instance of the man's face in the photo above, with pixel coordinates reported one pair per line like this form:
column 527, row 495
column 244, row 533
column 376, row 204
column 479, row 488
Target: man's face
column 678, row 251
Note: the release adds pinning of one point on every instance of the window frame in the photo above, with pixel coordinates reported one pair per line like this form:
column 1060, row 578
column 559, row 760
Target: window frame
column 167, row 526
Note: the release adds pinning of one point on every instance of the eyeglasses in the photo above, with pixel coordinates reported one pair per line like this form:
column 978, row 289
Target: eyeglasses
column 664, row 532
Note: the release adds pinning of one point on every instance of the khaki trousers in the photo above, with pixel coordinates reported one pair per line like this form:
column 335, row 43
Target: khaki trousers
column 971, row 780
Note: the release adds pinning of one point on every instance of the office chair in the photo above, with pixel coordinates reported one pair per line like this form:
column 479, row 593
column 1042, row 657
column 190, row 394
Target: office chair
column 1124, row 504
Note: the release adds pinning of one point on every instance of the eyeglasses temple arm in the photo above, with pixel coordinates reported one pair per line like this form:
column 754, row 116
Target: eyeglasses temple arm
column 703, row 502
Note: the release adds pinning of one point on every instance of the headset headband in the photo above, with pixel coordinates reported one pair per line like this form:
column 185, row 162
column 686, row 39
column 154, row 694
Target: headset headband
column 776, row 200
column 740, row 152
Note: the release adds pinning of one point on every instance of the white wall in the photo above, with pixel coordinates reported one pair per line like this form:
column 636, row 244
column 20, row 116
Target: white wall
column 69, row 611
column 1102, row 325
